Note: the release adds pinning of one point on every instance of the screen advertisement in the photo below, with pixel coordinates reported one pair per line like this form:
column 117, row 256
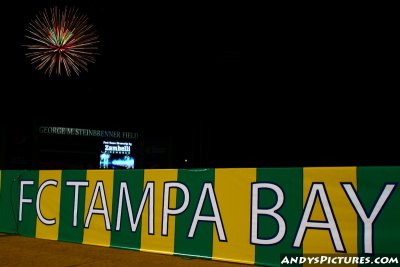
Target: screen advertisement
column 116, row 155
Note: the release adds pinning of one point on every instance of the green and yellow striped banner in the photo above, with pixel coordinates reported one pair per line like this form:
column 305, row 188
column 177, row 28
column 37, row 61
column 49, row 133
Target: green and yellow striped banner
column 251, row 215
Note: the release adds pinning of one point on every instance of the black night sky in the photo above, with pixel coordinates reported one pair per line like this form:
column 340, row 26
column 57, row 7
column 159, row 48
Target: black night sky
column 231, row 86
column 143, row 49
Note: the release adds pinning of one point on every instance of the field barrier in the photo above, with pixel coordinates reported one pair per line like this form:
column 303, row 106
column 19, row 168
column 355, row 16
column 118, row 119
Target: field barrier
column 251, row 215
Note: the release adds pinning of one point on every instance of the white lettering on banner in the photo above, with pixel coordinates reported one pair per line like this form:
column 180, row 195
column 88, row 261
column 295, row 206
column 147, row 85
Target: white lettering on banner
column 104, row 210
column 256, row 211
column 318, row 189
column 38, row 198
column 317, row 193
column 368, row 222
column 208, row 189
column 124, row 194
column 166, row 210
column 76, row 184
column 23, row 200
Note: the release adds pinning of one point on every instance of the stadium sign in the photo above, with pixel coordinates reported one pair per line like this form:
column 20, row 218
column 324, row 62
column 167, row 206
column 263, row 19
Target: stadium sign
column 240, row 215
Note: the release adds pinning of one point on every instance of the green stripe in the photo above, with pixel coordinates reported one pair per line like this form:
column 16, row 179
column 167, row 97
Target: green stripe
column 201, row 243
column 125, row 238
column 290, row 180
column 67, row 232
column 370, row 183
column 9, row 195
column 27, row 226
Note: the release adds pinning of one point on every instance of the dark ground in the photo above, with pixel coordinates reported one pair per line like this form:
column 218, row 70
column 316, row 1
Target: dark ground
column 24, row 251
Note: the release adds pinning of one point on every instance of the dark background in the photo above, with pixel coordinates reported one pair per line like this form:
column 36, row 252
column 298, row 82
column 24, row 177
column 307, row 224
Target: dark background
column 144, row 50
column 221, row 85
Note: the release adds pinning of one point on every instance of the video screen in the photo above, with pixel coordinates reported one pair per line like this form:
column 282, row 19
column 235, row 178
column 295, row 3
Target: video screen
column 116, row 155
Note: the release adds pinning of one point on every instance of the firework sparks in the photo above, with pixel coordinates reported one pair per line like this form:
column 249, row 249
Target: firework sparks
column 62, row 41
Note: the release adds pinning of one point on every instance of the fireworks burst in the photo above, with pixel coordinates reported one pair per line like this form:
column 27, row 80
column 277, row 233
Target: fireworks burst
column 62, row 41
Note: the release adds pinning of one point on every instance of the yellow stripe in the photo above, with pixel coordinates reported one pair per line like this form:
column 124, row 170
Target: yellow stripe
column 232, row 189
column 97, row 234
column 157, row 242
column 49, row 205
column 319, row 241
